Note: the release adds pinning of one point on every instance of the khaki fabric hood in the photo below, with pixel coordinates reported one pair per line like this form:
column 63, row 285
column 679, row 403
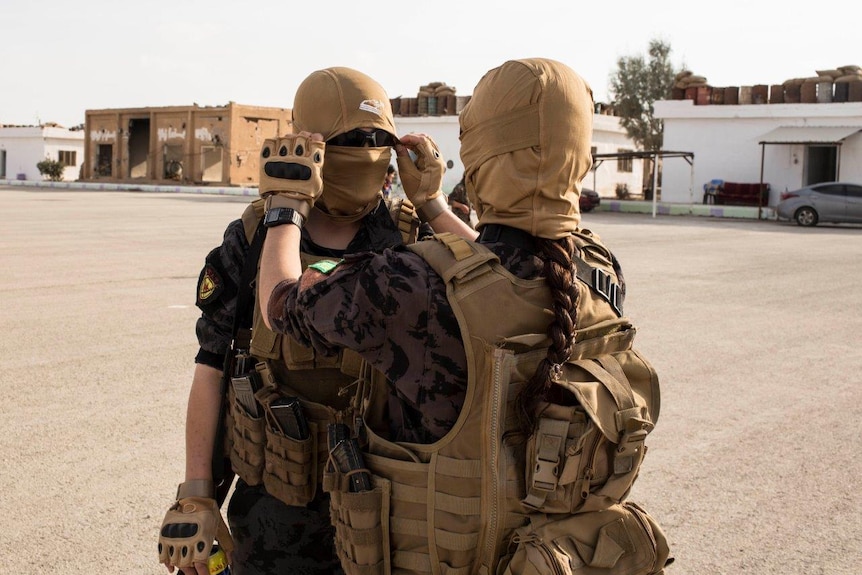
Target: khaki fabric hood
column 525, row 145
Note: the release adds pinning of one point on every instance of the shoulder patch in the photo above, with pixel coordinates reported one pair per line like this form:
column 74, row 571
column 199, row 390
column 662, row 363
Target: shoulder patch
column 325, row 266
column 210, row 285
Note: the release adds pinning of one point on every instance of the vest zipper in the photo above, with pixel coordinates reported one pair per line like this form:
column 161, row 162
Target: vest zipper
column 588, row 471
column 496, row 392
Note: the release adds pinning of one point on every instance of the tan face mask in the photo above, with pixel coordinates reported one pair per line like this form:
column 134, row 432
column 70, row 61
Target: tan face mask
column 525, row 144
column 333, row 101
column 352, row 178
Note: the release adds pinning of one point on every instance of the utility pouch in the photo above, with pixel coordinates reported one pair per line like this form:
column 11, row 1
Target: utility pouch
column 361, row 521
column 247, row 436
column 564, row 460
column 359, row 507
column 290, row 471
column 587, row 456
column 620, row 540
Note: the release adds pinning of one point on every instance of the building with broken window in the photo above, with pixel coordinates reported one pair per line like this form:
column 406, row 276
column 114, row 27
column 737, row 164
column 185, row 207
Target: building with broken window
column 217, row 145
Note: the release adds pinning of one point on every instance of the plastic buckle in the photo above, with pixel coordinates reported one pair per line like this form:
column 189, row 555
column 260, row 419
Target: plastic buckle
column 631, row 445
column 545, row 475
column 550, row 440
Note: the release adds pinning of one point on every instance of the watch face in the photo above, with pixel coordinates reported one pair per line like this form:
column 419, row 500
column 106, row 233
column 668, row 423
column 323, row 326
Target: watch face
column 279, row 216
column 271, row 216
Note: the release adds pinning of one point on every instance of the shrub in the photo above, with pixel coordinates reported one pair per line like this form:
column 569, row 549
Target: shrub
column 51, row 168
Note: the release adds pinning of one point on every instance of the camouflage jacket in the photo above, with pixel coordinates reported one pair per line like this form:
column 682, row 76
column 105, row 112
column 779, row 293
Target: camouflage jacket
column 392, row 309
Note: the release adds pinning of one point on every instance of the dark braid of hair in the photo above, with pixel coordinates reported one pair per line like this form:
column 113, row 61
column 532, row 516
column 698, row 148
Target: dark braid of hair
column 560, row 275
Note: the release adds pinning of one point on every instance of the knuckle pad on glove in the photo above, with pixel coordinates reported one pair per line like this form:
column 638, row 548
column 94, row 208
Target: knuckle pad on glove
column 287, row 171
column 292, row 165
column 188, row 531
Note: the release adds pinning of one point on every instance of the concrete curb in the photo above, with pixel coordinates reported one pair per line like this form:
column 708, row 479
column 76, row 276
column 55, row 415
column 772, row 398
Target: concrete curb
column 125, row 187
column 669, row 209
column 607, row 205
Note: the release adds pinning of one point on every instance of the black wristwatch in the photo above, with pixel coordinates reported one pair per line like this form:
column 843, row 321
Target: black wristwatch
column 278, row 216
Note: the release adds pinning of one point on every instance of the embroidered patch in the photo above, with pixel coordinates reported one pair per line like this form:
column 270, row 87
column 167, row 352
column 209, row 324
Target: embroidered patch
column 325, row 266
column 373, row 106
column 210, row 285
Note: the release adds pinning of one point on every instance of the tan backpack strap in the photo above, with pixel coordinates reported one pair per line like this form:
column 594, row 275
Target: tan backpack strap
column 251, row 217
column 452, row 256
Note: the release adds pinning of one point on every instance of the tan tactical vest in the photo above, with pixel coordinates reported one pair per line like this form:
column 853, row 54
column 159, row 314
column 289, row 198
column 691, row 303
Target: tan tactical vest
column 452, row 507
column 259, row 453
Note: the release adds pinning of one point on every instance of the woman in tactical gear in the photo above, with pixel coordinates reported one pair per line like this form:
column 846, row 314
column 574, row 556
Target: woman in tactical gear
column 498, row 413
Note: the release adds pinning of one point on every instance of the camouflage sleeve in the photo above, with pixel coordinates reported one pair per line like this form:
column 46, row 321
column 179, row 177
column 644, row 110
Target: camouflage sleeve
column 392, row 309
column 216, row 295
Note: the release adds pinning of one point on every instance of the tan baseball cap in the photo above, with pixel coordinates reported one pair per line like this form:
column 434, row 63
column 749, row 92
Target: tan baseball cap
column 336, row 100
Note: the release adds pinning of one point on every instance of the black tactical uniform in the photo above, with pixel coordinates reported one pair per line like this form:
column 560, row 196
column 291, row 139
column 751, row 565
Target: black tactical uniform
column 272, row 537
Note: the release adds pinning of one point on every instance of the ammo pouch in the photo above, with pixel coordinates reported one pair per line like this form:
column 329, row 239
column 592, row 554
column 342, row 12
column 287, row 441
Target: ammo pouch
column 245, row 439
column 620, row 540
column 261, row 453
column 361, row 520
column 586, row 456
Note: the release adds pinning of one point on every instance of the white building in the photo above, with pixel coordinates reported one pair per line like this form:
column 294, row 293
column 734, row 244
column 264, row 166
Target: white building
column 608, row 137
column 22, row 147
column 793, row 144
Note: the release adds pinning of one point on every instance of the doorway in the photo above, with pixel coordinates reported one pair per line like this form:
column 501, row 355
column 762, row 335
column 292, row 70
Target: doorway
column 821, row 164
column 211, row 164
column 139, row 148
column 104, row 160
column 173, row 162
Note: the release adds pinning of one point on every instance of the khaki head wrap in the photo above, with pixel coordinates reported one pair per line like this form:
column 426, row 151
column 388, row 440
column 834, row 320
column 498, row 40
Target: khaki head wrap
column 333, row 101
column 525, row 145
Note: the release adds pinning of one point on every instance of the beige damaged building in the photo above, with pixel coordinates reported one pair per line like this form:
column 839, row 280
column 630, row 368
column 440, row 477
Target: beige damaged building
column 217, row 145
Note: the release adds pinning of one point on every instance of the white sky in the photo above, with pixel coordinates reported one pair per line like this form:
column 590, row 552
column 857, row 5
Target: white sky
column 60, row 58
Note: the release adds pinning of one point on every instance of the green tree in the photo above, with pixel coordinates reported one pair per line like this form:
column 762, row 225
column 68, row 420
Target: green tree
column 51, row 168
column 635, row 86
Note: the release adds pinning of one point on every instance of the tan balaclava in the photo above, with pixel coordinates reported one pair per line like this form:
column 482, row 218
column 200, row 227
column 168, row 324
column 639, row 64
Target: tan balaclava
column 333, row 101
column 525, row 144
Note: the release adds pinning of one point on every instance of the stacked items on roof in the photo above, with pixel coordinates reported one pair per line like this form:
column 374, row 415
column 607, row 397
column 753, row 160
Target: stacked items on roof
column 434, row 99
column 842, row 84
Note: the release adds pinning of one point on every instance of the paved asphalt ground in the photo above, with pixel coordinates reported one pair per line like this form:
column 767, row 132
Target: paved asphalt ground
column 753, row 326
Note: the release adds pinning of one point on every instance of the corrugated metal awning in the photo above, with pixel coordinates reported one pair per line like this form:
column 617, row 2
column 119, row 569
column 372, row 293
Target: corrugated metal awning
column 809, row 134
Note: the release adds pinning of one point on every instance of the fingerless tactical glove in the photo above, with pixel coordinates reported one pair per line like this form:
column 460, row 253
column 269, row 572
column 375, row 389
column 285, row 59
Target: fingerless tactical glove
column 291, row 170
column 188, row 531
column 423, row 179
